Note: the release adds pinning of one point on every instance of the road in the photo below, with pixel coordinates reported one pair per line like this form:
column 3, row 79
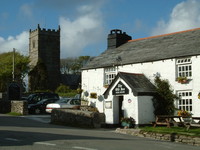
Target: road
column 27, row 133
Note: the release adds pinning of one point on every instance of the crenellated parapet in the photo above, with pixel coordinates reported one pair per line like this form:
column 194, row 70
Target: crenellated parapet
column 45, row 31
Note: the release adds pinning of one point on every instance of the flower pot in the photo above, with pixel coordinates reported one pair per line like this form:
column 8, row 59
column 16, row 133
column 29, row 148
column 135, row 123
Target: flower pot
column 126, row 124
column 187, row 119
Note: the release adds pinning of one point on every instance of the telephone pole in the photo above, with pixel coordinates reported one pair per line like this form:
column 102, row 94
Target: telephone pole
column 13, row 73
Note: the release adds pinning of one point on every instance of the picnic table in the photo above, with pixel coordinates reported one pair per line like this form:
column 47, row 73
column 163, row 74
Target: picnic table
column 192, row 122
column 168, row 120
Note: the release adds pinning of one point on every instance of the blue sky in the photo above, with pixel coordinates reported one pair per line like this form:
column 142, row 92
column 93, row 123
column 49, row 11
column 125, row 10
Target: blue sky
column 85, row 24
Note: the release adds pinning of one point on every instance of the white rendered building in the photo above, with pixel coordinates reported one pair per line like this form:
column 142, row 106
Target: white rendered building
column 119, row 82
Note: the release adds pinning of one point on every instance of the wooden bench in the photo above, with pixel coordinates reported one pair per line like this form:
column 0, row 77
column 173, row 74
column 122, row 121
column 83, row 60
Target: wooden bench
column 167, row 120
column 192, row 122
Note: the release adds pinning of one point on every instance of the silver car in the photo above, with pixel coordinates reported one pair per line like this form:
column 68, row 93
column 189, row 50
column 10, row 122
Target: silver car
column 63, row 103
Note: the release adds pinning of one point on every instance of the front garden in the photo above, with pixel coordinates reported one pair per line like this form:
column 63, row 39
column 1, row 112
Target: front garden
column 172, row 130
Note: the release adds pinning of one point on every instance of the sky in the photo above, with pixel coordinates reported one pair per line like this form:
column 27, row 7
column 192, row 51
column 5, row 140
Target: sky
column 85, row 24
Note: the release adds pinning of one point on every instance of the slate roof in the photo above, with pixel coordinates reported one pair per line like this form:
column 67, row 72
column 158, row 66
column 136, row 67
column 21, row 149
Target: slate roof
column 139, row 84
column 174, row 45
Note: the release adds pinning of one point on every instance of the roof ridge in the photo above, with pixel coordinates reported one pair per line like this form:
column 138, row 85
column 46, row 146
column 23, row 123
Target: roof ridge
column 150, row 37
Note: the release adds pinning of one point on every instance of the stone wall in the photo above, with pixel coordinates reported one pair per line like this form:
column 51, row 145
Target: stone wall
column 192, row 140
column 77, row 118
column 20, row 107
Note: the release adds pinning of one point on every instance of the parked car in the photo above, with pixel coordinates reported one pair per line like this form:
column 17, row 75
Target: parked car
column 64, row 103
column 40, row 106
column 36, row 97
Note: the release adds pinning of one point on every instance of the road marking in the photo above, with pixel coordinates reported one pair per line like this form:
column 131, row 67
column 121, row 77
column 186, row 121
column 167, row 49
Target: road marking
column 45, row 143
column 83, row 148
column 11, row 139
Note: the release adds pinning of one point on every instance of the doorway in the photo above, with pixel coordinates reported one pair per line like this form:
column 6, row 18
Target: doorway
column 121, row 111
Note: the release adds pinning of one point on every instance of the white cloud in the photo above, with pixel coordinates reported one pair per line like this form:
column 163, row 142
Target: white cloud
column 20, row 42
column 185, row 15
column 85, row 30
column 26, row 10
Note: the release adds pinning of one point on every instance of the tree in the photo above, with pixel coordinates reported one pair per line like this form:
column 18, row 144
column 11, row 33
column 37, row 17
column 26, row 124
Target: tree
column 38, row 77
column 163, row 101
column 74, row 65
column 6, row 69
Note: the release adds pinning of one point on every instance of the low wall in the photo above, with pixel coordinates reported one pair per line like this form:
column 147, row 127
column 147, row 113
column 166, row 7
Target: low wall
column 192, row 140
column 77, row 118
column 20, row 107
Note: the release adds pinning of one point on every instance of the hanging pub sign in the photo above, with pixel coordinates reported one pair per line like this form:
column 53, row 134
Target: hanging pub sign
column 120, row 89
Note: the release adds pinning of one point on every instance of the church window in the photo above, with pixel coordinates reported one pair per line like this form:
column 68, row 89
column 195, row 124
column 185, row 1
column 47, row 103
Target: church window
column 33, row 44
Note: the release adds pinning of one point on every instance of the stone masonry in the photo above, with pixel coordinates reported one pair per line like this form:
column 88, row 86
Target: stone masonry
column 44, row 45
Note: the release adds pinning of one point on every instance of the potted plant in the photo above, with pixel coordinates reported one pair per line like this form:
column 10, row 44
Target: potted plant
column 182, row 80
column 186, row 116
column 127, row 122
column 184, row 113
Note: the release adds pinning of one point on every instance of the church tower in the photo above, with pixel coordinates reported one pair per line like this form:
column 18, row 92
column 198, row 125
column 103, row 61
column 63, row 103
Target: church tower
column 44, row 46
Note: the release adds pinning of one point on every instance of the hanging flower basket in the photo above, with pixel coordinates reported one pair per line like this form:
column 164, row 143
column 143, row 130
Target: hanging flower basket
column 93, row 95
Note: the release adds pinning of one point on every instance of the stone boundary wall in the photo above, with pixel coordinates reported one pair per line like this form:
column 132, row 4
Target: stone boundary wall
column 192, row 140
column 77, row 118
column 20, row 107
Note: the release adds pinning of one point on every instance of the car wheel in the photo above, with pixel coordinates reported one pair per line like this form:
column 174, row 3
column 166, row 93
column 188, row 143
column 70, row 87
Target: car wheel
column 37, row 111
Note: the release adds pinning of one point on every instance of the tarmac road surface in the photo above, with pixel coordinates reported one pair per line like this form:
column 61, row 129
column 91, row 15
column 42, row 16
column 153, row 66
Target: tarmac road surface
column 24, row 133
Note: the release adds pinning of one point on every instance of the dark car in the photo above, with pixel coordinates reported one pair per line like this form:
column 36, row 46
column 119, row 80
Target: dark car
column 40, row 106
column 36, row 97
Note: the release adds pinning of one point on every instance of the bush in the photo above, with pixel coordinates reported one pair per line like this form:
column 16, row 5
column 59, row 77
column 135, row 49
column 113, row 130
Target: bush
column 69, row 94
column 163, row 101
column 63, row 89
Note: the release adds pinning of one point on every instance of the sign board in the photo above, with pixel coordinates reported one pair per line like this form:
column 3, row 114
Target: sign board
column 120, row 89
column 108, row 104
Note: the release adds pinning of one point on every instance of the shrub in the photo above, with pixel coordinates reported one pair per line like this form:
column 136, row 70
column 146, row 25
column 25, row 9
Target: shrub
column 163, row 101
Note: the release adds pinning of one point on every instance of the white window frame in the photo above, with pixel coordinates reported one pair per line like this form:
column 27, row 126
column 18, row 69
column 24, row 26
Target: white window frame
column 184, row 67
column 109, row 75
column 185, row 102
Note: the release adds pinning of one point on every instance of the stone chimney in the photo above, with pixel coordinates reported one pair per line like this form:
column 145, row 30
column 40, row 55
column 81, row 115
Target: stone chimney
column 117, row 38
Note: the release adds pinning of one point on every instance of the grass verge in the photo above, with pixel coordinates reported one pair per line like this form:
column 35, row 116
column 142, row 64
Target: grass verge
column 174, row 130
column 14, row 114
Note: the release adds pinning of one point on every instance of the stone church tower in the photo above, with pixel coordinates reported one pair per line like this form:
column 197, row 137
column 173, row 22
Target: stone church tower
column 44, row 46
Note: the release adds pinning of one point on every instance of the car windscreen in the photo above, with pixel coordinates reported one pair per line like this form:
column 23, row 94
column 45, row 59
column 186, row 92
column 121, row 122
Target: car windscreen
column 62, row 101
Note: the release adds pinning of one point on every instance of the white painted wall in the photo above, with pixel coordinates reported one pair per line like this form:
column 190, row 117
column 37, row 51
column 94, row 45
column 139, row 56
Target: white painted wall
column 93, row 80
column 145, row 110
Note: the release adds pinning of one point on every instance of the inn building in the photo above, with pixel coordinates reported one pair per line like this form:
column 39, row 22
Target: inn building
column 120, row 81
